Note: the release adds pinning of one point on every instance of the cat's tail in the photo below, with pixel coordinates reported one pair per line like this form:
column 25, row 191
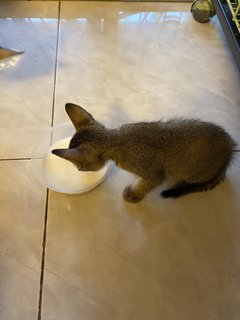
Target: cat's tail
column 183, row 188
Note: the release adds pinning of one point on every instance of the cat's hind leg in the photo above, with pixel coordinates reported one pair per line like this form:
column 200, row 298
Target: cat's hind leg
column 139, row 189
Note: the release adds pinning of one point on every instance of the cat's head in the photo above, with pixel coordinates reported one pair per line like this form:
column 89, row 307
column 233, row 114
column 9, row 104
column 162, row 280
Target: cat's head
column 81, row 152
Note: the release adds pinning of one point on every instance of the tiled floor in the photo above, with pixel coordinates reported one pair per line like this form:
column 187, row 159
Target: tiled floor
column 105, row 258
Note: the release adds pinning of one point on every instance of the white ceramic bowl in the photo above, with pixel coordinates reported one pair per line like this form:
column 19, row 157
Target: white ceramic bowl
column 58, row 175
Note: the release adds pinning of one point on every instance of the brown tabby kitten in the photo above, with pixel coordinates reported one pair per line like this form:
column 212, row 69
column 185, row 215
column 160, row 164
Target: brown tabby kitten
column 195, row 153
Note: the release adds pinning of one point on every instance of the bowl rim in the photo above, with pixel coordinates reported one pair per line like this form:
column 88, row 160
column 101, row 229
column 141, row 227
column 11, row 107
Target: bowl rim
column 43, row 181
column 47, row 131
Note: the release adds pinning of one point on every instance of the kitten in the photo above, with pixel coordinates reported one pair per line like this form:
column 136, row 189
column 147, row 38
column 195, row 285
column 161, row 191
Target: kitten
column 193, row 152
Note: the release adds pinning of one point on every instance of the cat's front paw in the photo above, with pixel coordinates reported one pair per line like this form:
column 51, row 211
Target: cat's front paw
column 130, row 196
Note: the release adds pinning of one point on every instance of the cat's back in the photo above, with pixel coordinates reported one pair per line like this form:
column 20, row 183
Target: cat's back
column 173, row 126
column 177, row 147
column 177, row 133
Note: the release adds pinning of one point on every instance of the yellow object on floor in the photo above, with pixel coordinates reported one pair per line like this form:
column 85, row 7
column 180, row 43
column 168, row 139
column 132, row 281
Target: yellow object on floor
column 6, row 53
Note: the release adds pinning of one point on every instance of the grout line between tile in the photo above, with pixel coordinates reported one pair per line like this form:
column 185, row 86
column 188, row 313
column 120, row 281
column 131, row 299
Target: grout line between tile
column 15, row 159
column 56, row 64
column 39, row 317
column 43, row 258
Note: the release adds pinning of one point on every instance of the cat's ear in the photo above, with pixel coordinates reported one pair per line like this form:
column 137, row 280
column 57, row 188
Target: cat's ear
column 68, row 154
column 79, row 116
column 82, row 153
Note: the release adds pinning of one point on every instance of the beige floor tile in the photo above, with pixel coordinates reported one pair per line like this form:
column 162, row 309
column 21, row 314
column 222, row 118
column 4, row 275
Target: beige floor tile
column 22, row 205
column 27, row 80
column 168, row 259
column 107, row 259
column 133, row 62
